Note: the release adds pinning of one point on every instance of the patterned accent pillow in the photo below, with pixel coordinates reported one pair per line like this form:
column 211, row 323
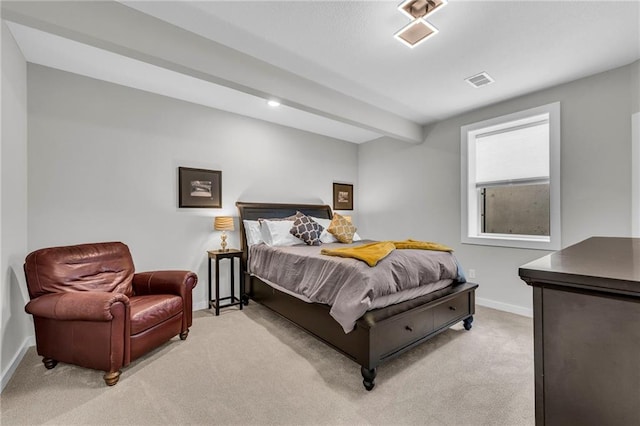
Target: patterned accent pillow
column 306, row 229
column 342, row 229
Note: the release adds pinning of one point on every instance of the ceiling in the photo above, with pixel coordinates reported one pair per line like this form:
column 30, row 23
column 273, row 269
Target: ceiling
column 335, row 65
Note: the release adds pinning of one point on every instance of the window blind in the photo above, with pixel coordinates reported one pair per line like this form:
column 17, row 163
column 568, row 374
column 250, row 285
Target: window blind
column 513, row 155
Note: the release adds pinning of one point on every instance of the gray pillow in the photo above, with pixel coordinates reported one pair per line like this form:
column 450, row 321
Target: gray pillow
column 307, row 229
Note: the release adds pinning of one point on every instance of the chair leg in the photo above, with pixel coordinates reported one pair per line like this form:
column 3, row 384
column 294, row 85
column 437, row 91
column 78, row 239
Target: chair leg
column 111, row 378
column 184, row 334
column 49, row 363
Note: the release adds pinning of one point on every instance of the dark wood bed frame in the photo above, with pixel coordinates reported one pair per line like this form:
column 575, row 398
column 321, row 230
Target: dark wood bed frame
column 380, row 334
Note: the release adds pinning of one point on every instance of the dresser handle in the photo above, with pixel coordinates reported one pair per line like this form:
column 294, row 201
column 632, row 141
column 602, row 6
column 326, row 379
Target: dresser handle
column 408, row 328
column 453, row 308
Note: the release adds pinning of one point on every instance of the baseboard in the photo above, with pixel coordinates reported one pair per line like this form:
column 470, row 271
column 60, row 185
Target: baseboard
column 514, row 309
column 13, row 365
column 199, row 306
column 30, row 341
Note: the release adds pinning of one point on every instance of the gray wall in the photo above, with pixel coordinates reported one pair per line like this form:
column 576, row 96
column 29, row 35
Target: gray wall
column 103, row 165
column 635, row 161
column 16, row 332
column 414, row 191
column 635, row 87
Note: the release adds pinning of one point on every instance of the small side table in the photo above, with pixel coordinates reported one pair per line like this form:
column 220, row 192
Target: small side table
column 218, row 255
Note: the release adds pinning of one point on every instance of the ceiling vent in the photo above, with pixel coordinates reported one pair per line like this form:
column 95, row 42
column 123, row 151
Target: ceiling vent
column 479, row 80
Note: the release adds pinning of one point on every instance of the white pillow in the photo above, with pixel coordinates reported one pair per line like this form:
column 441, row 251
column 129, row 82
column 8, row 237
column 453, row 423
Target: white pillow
column 276, row 233
column 326, row 236
column 252, row 231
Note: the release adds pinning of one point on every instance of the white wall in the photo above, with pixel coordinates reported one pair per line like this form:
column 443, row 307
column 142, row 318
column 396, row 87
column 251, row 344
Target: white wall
column 635, row 174
column 635, row 86
column 414, row 191
column 635, row 150
column 103, row 165
column 17, row 330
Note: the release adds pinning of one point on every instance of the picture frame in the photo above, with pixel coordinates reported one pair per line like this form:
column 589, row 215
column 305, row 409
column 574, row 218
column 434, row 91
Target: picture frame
column 342, row 196
column 199, row 188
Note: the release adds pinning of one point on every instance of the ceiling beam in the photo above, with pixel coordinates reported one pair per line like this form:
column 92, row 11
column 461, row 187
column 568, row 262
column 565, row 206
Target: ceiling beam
column 117, row 28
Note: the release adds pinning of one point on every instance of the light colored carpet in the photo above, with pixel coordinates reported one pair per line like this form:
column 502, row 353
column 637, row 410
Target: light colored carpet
column 253, row 367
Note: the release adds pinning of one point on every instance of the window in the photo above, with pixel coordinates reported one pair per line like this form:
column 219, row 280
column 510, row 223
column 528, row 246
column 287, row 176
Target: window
column 511, row 180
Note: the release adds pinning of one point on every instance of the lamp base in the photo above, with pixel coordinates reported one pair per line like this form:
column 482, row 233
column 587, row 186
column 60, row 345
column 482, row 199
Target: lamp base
column 223, row 242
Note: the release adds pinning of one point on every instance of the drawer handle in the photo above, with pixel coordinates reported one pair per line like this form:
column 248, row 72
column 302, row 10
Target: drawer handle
column 452, row 308
column 408, row 328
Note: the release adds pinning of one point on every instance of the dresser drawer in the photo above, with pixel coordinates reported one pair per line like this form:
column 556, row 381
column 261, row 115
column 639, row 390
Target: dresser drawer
column 452, row 310
column 403, row 330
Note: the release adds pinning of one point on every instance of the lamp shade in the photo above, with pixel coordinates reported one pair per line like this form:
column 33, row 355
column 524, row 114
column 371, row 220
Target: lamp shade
column 223, row 223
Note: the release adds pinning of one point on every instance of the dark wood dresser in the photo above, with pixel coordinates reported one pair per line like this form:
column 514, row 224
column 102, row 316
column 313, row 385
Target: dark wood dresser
column 586, row 311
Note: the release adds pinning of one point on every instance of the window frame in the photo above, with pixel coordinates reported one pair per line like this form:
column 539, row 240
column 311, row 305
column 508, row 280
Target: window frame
column 470, row 203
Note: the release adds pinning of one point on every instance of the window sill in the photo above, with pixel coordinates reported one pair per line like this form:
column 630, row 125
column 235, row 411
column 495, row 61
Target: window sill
column 513, row 241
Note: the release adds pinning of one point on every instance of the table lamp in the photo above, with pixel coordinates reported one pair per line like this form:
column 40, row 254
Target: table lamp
column 223, row 223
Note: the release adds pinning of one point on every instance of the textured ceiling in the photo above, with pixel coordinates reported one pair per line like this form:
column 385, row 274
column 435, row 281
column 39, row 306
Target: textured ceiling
column 348, row 45
column 334, row 64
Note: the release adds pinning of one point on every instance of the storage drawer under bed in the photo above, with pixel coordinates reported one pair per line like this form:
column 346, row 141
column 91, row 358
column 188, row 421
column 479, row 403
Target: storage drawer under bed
column 408, row 328
column 452, row 310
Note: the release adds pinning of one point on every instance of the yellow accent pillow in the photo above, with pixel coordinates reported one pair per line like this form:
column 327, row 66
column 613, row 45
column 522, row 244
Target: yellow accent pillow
column 342, row 229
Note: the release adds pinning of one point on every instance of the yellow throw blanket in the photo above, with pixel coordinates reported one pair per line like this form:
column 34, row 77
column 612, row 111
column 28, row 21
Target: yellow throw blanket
column 421, row 245
column 372, row 253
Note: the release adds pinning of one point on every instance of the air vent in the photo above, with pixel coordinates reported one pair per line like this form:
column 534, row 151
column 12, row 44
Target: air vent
column 479, row 80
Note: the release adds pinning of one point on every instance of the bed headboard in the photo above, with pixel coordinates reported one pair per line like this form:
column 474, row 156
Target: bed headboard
column 255, row 211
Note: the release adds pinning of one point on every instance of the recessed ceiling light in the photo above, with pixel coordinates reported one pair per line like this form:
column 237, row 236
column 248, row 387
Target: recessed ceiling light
column 273, row 103
column 416, row 32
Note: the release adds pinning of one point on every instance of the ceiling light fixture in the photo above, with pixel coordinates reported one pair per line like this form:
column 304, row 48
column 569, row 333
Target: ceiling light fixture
column 414, row 9
column 273, row 103
column 418, row 30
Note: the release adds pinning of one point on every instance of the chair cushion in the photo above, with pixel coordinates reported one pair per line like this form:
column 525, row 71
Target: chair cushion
column 150, row 310
column 106, row 267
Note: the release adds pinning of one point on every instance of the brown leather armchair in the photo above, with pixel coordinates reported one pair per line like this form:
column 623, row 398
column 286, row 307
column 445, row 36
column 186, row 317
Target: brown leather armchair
column 90, row 308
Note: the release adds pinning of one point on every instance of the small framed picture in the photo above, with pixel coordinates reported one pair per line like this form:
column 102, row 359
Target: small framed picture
column 199, row 188
column 342, row 196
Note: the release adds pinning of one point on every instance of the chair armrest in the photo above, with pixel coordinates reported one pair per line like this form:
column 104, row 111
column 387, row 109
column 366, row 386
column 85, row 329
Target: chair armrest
column 82, row 306
column 164, row 282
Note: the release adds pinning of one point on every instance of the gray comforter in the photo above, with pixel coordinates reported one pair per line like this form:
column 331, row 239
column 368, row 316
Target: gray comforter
column 349, row 286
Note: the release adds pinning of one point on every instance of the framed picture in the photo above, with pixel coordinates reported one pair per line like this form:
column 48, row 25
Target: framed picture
column 342, row 196
column 199, row 188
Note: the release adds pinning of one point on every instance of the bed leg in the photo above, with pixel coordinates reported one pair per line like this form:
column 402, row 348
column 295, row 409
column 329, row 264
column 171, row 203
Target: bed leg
column 369, row 375
column 467, row 323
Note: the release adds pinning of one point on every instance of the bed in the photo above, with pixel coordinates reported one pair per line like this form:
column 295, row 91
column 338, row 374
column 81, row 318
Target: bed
column 380, row 334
